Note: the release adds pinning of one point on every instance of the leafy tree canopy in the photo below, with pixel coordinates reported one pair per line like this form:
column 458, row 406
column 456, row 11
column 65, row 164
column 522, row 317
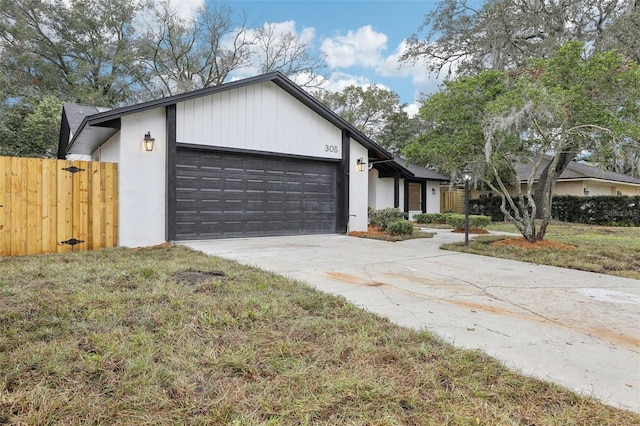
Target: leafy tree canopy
column 377, row 113
column 543, row 115
column 466, row 37
column 367, row 109
column 31, row 130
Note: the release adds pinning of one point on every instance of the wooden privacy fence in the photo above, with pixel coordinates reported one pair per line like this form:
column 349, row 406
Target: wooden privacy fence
column 54, row 206
column 452, row 200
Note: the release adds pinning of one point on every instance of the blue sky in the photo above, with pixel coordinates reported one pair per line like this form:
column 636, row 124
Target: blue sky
column 360, row 39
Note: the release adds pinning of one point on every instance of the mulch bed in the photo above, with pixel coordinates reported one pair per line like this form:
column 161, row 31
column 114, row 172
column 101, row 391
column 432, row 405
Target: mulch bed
column 471, row 231
column 371, row 230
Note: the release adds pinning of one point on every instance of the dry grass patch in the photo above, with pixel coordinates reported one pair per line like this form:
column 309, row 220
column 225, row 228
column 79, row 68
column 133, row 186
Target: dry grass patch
column 171, row 336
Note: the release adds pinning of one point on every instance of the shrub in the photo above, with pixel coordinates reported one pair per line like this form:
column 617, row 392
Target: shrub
column 456, row 221
column 424, row 217
column 616, row 210
column 382, row 218
column 400, row 227
column 431, row 217
column 479, row 221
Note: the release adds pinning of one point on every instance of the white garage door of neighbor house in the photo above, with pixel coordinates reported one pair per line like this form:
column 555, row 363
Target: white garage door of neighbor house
column 225, row 195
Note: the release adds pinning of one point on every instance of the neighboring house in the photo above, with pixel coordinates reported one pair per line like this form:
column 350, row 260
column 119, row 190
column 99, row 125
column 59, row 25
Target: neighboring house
column 578, row 179
column 254, row 157
column 584, row 180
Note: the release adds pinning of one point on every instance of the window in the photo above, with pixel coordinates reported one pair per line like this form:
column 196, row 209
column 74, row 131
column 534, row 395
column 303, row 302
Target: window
column 415, row 196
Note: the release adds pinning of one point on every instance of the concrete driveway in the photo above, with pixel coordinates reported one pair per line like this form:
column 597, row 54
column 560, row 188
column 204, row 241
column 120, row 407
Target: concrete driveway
column 578, row 329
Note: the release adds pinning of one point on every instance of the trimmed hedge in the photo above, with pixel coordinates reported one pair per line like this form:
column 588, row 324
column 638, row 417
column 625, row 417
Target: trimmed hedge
column 431, row 217
column 612, row 210
column 618, row 210
column 400, row 227
column 487, row 207
column 475, row 221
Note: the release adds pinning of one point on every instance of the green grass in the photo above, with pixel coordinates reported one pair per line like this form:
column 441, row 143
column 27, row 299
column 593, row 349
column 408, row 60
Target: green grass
column 172, row 336
column 602, row 249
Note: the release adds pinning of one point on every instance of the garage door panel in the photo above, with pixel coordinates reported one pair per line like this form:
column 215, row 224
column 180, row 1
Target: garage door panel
column 222, row 195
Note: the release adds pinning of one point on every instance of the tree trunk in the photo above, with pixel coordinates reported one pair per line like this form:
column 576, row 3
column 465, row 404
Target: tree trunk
column 546, row 183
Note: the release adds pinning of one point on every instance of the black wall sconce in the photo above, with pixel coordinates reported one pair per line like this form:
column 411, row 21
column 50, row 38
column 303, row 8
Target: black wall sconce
column 148, row 142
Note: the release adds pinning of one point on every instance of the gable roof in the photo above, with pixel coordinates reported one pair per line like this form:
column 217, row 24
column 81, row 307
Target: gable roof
column 578, row 171
column 96, row 128
column 78, row 112
column 421, row 172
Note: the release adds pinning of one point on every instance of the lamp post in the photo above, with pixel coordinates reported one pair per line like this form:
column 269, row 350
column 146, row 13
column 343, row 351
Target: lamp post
column 467, row 178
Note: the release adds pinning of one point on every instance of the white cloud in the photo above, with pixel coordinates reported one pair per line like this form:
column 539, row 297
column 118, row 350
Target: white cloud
column 367, row 48
column 361, row 47
column 412, row 109
column 186, row 8
column 306, row 35
column 338, row 81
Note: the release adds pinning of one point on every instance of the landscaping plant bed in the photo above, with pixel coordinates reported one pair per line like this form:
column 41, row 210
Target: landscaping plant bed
column 375, row 234
column 478, row 231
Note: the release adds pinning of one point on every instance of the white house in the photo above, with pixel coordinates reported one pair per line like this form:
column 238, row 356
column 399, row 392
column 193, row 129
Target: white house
column 254, row 157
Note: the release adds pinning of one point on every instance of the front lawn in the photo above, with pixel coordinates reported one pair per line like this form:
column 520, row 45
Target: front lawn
column 171, row 336
column 603, row 249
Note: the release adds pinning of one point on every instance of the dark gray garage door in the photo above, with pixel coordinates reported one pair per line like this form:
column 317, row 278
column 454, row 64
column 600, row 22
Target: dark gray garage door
column 223, row 195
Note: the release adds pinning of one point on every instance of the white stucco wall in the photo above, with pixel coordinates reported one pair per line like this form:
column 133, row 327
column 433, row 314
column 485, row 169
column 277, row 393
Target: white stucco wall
column 380, row 191
column 141, row 180
column 78, row 157
column 372, row 175
column 358, row 189
column 433, row 196
column 260, row 117
column 108, row 151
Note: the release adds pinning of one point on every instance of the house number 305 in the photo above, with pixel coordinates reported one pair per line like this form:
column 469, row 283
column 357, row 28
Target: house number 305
column 331, row 148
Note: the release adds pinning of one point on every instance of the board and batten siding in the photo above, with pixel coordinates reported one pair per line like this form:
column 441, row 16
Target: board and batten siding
column 261, row 117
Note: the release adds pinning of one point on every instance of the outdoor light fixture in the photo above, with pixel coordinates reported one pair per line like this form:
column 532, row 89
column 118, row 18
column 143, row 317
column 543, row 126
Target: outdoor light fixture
column 466, row 176
column 148, row 142
column 361, row 164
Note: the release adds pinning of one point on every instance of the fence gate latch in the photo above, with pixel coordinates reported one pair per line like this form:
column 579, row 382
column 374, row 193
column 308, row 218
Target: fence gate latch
column 73, row 169
column 72, row 242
